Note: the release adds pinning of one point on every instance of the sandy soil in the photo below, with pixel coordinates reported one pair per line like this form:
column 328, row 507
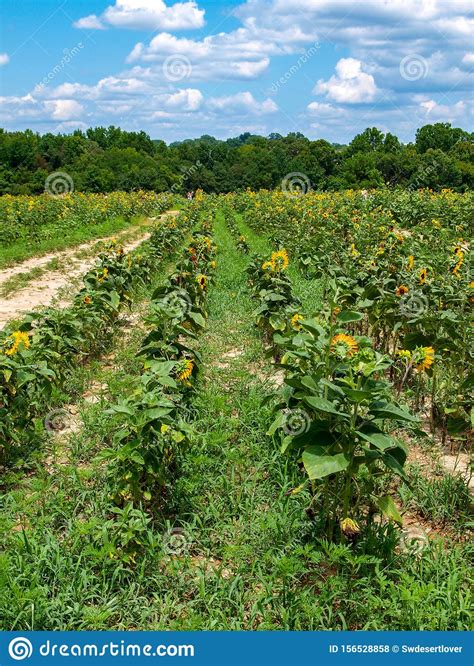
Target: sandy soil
column 52, row 285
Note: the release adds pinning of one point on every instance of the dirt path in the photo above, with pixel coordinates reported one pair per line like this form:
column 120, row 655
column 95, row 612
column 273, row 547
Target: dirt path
column 52, row 284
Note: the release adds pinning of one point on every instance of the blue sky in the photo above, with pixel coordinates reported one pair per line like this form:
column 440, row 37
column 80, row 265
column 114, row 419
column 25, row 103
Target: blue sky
column 327, row 68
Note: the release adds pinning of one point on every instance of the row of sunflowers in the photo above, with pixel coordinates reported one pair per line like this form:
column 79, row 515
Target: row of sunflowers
column 41, row 217
column 152, row 423
column 38, row 356
column 401, row 259
column 337, row 413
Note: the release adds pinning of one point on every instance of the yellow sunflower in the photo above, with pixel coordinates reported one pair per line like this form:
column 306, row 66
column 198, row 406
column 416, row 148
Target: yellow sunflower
column 15, row 342
column 347, row 341
column 423, row 275
column 402, row 290
column 294, row 321
column 266, row 265
column 427, row 358
column 87, row 300
column 187, row 371
column 202, row 281
column 411, row 262
column 349, row 527
column 280, row 260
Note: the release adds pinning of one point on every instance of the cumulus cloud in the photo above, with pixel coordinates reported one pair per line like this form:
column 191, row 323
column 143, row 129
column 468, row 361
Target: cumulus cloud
column 350, row 85
column 243, row 102
column 146, row 15
column 4, row 59
column 324, row 110
column 189, row 99
column 233, row 55
column 91, row 22
column 64, row 109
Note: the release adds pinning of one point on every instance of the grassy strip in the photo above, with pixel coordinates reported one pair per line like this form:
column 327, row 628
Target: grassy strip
column 21, row 250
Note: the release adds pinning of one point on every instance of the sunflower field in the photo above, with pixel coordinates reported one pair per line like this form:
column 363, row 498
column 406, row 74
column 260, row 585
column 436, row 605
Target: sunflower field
column 260, row 417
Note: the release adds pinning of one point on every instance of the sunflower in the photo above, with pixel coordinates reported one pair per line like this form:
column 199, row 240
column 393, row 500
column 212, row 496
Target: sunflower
column 411, row 262
column 280, row 260
column 87, row 300
column 427, row 358
column 354, row 252
column 349, row 343
column 105, row 273
column 349, row 527
column 187, row 370
column 202, row 281
column 213, row 264
column 402, row 290
column 15, row 342
column 423, row 275
column 294, row 321
column 266, row 265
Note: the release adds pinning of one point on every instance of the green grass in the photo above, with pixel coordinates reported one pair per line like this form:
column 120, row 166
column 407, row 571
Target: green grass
column 24, row 249
column 253, row 559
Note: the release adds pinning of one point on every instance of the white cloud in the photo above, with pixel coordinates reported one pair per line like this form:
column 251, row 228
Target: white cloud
column 146, row 15
column 434, row 111
column 64, row 109
column 350, row 85
column 242, row 102
column 188, row 99
column 468, row 58
column 4, row 59
column 324, row 110
column 233, row 55
column 91, row 22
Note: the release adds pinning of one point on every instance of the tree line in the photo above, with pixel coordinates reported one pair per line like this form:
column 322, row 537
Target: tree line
column 105, row 159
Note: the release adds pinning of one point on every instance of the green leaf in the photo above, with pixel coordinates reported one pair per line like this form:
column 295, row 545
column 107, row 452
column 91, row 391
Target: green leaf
column 277, row 423
column 198, row 319
column 156, row 413
column 347, row 316
column 388, row 508
column 318, row 464
column 323, row 405
column 120, row 409
column 391, row 411
column 378, row 439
